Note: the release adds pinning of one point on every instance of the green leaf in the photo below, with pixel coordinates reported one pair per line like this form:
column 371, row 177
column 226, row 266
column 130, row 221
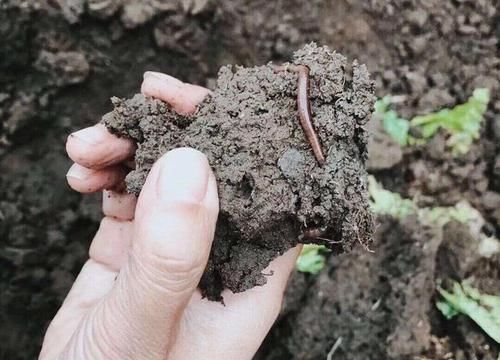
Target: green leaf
column 446, row 309
column 384, row 202
column 462, row 123
column 483, row 309
column 462, row 212
column 395, row 126
column 311, row 259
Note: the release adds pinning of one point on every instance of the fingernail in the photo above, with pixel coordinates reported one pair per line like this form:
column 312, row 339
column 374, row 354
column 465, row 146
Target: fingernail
column 79, row 172
column 183, row 176
column 164, row 78
column 91, row 135
column 152, row 74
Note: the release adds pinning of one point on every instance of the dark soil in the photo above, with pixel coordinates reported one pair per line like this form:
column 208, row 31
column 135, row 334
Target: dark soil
column 381, row 305
column 384, row 297
column 59, row 67
column 271, row 188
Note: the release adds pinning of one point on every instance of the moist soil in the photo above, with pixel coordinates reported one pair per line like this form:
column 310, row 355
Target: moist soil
column 271, row 188
column 59, row 65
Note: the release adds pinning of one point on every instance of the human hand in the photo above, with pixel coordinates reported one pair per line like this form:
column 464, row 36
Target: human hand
column 136, row 297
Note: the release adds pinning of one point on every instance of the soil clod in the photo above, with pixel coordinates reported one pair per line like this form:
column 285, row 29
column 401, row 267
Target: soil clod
column 271, row 187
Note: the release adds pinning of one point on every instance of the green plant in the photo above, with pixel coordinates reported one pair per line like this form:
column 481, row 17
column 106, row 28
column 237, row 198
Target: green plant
column 311, row 259
column 394, row 125
column 385, row 202
column 483, row 309
column 462, row 123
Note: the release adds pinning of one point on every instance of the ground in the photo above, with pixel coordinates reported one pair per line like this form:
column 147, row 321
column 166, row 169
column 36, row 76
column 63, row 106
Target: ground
column 59, row 67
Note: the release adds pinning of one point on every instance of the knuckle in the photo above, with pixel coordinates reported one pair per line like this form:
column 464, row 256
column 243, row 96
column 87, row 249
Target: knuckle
column 172, row 274
column 101, row 325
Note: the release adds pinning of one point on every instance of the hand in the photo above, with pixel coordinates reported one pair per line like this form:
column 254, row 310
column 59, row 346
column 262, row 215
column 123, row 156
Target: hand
column 136, row 297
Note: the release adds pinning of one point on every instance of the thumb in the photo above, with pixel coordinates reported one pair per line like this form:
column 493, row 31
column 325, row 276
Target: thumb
column 175, row 222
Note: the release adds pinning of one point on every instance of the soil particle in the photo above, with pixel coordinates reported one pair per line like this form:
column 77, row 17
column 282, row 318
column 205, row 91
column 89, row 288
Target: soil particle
column 65, row 67
column 190, row 35
column 136, row 13
column 383, row 151
column 270, row 185
column 103, row 8
column 194, row 7
column 72, row 9
column 457, row 252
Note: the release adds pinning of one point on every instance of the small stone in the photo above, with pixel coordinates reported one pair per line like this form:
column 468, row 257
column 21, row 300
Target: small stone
column 466, row 29
column 72, row 9
column 418, row 17
column 475, row 18
column 136, row 13
column 417, row 82
column 439, row 79
column 389, row 75
column 3, row 97
column 418, row 44
column 65, row 67
column 103, row 8
column 194, row 7
column 491, row 200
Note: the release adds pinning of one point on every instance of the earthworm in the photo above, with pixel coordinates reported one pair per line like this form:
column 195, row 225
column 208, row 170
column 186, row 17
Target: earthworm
column 304, row 107
column 315, row 234
column 312, row 233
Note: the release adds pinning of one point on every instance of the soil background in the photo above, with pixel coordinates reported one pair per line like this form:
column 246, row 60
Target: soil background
column 61, row 61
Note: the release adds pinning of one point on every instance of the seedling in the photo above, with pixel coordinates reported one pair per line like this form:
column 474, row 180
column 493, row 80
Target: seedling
column 483, row 309
column 464, row 299
column 385, row 202
column 311, row 259
column 397, row 127
column 462, row 123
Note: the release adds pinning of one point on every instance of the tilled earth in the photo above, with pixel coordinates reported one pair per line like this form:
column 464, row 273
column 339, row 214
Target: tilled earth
column 60, row 65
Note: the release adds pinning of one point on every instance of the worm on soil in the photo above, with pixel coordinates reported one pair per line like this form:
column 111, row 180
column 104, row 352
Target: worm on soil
column 317, row 234
column 304, row 107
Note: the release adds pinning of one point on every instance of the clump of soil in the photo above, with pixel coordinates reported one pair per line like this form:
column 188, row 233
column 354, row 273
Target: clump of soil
column 271, row 187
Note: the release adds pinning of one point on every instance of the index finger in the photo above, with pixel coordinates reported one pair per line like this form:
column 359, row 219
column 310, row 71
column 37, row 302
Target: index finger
column 96, row 148
column 183, row 97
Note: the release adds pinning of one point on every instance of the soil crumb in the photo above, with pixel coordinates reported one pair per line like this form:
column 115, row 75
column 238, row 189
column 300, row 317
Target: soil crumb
column 271, row 188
